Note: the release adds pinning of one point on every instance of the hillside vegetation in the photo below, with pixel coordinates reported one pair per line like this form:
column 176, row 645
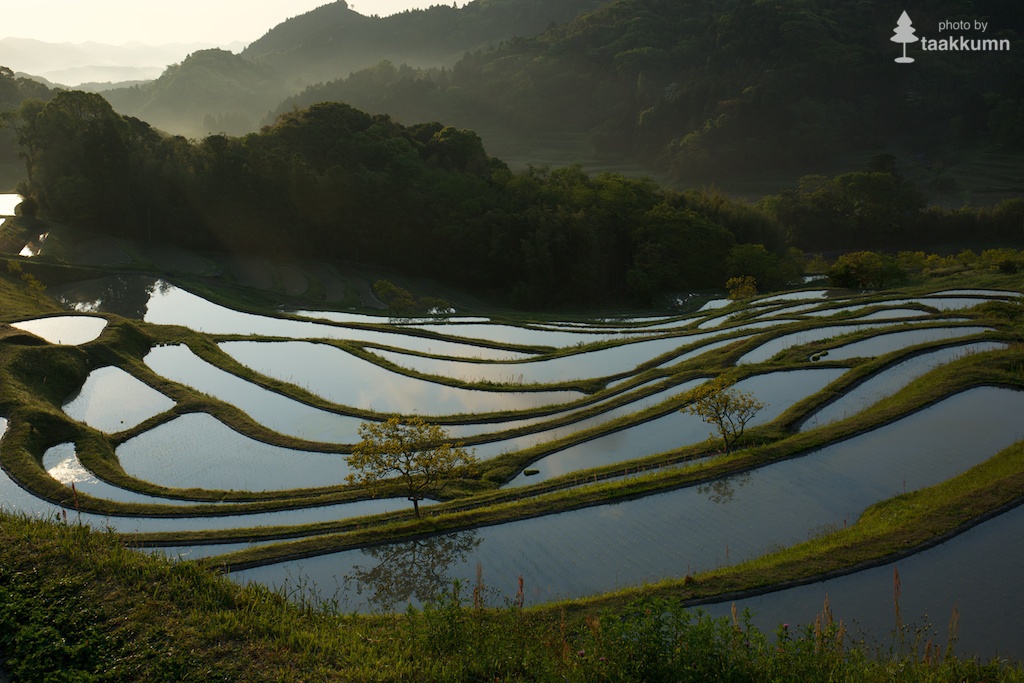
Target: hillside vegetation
column 734, row 92
column 428, row 200
column 725, row 89
column 213, row 91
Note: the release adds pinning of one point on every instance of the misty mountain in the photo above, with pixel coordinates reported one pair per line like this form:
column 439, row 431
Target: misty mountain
column 332, row 40
column 210, row 91
column 715, row 90
column 71, row 64
column 215, row 92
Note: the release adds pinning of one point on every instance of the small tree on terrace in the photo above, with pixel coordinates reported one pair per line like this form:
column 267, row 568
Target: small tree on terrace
column 419, row 455
column 721, row 405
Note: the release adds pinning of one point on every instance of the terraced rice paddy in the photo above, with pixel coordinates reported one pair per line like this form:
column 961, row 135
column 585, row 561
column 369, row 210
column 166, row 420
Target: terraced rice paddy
column 239, row 426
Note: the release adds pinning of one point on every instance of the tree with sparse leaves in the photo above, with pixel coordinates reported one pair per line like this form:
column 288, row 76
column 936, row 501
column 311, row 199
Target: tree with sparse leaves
column 721, row 405
column 419, row 457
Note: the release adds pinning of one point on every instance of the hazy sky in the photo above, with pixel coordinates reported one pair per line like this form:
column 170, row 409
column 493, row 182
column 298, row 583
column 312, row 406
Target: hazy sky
column 148, row 21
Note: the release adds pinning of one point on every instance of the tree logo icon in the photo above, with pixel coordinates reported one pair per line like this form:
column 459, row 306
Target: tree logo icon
column 904, row 33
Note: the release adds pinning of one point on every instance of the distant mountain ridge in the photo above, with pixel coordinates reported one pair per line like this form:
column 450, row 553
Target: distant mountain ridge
column 715, row 90
column 332, row 40
column 71, row 64
column 212, row 91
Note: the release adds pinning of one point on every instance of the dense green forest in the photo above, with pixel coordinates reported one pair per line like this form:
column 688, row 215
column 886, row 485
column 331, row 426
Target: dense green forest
column 333, row 40
column 14, row 91
column 426, row 199
column 331, row 181
column 214, row 91
column 708, row 91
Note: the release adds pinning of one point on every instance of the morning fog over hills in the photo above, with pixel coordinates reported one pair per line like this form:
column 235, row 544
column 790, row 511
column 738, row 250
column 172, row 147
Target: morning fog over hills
column 522, row 340
column 692, row 92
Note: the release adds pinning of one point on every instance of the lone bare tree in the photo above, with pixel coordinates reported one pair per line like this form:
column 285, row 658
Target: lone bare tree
column 726, row 408
column 419, row 455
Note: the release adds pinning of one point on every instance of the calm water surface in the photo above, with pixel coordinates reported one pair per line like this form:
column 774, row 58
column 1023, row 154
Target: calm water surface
column 112, row 400
column 70, row 330
column 199, row 451
column 890, row 380
column 978, row 572
column 346, row 379
column 280, row 413
column 767, row 350
column 778, row 390
column 893, row 341
column 597, row 549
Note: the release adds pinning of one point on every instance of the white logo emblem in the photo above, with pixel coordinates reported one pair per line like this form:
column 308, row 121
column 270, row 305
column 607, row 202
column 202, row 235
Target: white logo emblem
column 904, row 34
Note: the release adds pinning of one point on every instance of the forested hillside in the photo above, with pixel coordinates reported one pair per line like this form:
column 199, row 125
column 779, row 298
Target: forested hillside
column 210, row 91
column 213, row 91
column 333, row 40
column 709, row 91
column 716, row 89
column 14, row 91
column 333, row 182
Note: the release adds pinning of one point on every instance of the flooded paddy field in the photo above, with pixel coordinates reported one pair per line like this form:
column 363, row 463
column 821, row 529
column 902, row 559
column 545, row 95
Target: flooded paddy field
column 243, row 409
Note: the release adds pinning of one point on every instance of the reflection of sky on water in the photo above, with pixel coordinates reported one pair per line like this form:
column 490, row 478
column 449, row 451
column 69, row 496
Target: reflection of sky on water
column 589, row 364
column 348, row 380
column 827, row 312
column 198, row 451
column 280, row 413
column 177, row 307
column 70, row 330
column 778, row 390
column 496, row 448
column 112, row 400
column 348, row 317
column 890, row 380
column 893, row 313
column 511, row 334
column 61, row 462
column 942, row 303
column 597, row 549
column 791, row 296
column 977, row 571
column 773, row 346
column 13, row 498
column 893, row 341
column 481, row 428
column 975, row 292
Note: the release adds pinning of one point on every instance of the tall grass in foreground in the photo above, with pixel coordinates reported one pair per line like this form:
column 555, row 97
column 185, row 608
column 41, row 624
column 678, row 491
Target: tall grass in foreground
column 656, row 639
column 75, row 605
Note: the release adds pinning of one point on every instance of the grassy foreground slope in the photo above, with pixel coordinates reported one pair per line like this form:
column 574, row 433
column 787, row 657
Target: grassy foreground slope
column 78, row 606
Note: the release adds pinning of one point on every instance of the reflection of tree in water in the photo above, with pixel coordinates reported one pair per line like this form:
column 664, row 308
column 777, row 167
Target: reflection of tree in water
column 722, row 490
column 125, row 295
column 413, row 570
